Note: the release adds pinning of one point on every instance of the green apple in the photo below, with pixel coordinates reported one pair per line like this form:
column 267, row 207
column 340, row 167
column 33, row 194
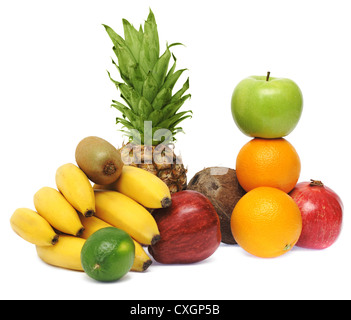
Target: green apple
column 266, row 107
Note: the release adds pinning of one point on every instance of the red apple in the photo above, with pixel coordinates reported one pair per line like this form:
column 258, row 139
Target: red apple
column 189, row 228
column 321, row 210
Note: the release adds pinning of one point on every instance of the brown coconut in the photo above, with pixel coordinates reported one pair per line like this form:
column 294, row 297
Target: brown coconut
column 220, row 185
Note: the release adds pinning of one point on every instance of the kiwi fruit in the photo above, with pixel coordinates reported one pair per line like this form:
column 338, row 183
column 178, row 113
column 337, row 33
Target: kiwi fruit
column 99, row 160
column 220, row 185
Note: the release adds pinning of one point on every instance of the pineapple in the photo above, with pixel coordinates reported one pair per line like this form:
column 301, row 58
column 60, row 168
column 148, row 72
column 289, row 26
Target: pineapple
column 150, row 116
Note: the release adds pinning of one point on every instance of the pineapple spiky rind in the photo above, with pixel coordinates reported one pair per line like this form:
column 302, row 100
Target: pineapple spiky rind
column 148, row 84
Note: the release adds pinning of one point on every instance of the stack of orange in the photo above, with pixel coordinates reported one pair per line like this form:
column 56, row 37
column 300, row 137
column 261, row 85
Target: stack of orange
column 266, row 222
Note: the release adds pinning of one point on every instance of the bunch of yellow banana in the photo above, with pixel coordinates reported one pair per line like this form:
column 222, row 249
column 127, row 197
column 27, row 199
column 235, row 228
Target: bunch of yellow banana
column 64, row 218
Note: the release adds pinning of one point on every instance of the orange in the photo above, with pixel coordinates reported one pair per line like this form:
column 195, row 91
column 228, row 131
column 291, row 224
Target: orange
column 266, row 222
column 268, row 163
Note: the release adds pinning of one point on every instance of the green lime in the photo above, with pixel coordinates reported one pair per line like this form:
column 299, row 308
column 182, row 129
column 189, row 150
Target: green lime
column 108, row 254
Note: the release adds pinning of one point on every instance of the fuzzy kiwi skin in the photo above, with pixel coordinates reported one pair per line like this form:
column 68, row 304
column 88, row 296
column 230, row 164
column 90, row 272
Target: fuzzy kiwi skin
column 99, row 160
column 220, row 185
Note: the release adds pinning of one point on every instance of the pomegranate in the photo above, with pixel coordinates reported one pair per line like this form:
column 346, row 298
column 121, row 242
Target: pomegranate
column 322, row 213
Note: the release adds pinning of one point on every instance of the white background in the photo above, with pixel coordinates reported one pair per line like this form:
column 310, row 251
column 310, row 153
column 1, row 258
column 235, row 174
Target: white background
column 54, row 91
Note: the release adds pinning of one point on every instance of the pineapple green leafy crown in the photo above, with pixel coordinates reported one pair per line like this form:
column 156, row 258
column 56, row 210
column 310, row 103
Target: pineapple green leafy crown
column 148, row 84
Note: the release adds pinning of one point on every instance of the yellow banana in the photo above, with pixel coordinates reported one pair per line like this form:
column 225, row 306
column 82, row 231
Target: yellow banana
column 142, row 186
column 65, row 254
column 75, row 186
column 141, row 262
column 33, row 228
column 53, row 207
column 123, row 212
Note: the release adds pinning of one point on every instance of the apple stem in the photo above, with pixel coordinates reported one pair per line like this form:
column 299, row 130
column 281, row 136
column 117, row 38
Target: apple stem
column 316, row 183
column 268, row 74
